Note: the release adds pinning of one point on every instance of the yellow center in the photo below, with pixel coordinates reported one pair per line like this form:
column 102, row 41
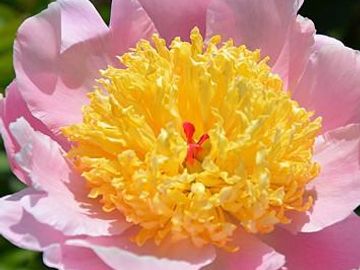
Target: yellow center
column 194, row 141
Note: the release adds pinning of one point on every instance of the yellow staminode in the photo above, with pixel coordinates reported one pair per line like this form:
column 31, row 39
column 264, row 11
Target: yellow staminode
column 194, row 141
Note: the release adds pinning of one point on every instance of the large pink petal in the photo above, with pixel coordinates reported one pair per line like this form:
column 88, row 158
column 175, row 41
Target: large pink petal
column 13, row 107
column 321, row 41
column 121, row 253
column 129, row 23
column 269, row 25
column 334, row 248
column 75, row 258
column 57, row 55
column 19, row 227
column 295, row 53
column 23, row 230
column 330, row 84
column 177, row 18
column 63, row 203
column 252, row 254
column 337, row 189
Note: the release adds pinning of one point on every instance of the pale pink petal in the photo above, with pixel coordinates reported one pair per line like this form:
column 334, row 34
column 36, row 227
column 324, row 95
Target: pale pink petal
column 269, row 25
column 252, row 254
column 80, row 21
column 177, row 18
column 10, row 113
column 295, row 53
column 120, row 253
column 334, row 248
column 129, row 23
column 321, row 41
column 337, row 189
column 57, row 56
column 330, row 85
column 21, row 228
column 67, row 257
column 63, row 203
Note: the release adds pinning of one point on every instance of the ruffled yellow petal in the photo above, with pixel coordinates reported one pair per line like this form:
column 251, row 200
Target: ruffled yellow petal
column 249, row 171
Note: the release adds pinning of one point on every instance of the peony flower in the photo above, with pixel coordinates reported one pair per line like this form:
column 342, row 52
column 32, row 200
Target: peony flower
column 208, row 134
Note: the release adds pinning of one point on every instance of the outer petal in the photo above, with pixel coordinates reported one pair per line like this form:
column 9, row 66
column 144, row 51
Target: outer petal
column 335, row 248
column 177, row 18
column 54, row 70
column 337, row 189
column 129, row 23
column 269, row 25
column 252, row 254
column 21, row 228
column 67, row 257
column 295, row 53
column 121, row 254
column 11, row 108
column 321, row 41
column 62, row 201
column 330, row 84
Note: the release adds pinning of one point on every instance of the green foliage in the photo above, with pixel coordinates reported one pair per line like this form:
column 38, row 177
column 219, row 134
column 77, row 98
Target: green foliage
column 338, row 18
column 10, row 20
column 18, row 259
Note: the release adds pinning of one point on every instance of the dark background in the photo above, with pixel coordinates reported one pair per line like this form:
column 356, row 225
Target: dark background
column 336, row 18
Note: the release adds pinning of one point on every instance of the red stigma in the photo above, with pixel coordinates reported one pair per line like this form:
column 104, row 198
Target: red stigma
column 194, row 147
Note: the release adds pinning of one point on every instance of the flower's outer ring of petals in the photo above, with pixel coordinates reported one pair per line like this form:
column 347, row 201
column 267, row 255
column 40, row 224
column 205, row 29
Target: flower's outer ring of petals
column 57, row 56
column 296, row 51
column 64, row 204
column 23, row 230
column 252, row 254
column 269, row 25
column 337, row 188
column 129, row 23
column 8, row 114
column 20, row 227
column 80, row 21
column 67, row 257
column 334, row 248
column 330, row 84
column 177, row 18
column 121, row 254
column 322, row 40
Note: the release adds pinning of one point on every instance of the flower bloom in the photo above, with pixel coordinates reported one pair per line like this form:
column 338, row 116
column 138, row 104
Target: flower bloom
column 207, row 134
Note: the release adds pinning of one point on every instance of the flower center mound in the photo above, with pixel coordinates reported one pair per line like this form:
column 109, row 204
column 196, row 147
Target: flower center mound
column 194, row 141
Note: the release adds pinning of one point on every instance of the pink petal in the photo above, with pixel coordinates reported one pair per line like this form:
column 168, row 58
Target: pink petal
column 269, row 25
column 74, row 258
column 63, row 203
column 80, row 21
column 321, row 41
column 121, row 253
column 295, row 54
column 129, row 23
column 177, row 18
column 21, row 228
column 57, row 56
column 334, row 248
column 337, row 189
column 330, row 85
column 253, row 254
column 13, row 107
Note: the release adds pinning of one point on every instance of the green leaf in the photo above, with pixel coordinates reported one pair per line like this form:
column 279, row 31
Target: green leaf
column 6, row 70
column 4, row 165
column 6, row 14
